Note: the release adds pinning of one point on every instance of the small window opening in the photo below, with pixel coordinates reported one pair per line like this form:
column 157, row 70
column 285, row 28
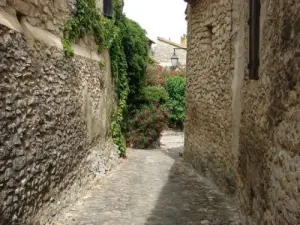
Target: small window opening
column 209, row 34
column 19, row 16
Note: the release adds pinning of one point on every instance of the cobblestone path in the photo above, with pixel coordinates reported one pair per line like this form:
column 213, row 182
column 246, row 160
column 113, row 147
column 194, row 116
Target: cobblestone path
column 152, row 187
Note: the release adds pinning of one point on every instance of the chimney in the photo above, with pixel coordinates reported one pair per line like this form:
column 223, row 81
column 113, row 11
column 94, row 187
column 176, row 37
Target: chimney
column 183, row 41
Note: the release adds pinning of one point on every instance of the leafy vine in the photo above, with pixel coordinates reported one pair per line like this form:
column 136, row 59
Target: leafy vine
column 119, row 68
column 88, row 18
column 128, row 47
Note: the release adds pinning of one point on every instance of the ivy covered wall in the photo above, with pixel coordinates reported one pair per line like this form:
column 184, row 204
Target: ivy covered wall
column 128, row 47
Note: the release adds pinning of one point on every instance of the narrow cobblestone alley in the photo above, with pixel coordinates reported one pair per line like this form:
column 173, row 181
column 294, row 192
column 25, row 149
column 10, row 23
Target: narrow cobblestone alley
column 152, row 187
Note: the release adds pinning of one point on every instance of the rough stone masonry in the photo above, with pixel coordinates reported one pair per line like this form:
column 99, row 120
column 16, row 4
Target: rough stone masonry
column 54, row 112
column 245, row 134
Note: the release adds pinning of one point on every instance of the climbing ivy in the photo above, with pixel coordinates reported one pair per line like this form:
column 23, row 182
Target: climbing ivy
column 136, row 52
column 119, row 68
column 88, row 18
column 129, row 56
column 128, row 47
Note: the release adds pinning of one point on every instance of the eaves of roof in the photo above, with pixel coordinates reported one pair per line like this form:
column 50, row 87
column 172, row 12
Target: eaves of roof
column 170, row 42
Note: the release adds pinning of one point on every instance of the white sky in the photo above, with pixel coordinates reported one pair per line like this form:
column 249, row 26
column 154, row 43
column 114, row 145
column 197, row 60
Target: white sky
column 160, row 18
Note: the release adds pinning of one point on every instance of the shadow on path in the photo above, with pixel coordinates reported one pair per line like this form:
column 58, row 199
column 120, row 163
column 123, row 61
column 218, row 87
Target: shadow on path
column 188, row 198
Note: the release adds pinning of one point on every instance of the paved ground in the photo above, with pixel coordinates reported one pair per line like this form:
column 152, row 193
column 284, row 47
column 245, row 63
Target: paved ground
column 152, row 187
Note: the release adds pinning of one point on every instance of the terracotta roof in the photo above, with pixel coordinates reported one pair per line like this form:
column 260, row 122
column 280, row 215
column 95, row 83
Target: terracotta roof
column 170, row 42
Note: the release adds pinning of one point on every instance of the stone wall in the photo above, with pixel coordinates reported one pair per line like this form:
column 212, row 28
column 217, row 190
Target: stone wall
column 48, row 15
column 269, row 137
column 208, row 123
column 54, row 120
column 249, row 128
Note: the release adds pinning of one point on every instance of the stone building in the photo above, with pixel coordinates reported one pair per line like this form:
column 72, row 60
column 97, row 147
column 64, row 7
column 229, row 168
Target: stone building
column 150, row 49
column 54, row 111
column 164, row 49
column 244, row 133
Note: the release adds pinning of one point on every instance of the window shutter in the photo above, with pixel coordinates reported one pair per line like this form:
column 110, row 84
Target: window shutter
column 254, row 25
column 108, row 8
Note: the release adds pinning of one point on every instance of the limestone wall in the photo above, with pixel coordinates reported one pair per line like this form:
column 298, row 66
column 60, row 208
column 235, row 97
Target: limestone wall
column 269, row 139
column 247, row 132
column 208, row 123
column 54, row 120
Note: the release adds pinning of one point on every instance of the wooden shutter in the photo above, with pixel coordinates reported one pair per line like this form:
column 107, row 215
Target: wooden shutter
column 108, row 8
column 254, row 32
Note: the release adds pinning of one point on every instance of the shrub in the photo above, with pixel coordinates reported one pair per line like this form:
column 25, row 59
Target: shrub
column 176, row 102
column 135, row 44
column 170, row 72
column 145, row 127
column 153, row 75
column 129, row 59
column 155, row 94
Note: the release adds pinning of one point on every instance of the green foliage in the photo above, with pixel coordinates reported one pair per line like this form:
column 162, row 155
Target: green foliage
column 101, row 64
column 176, row 102
column 135, row 45
column 129, row 56
column 119, row 68
column 145, row 127
column 69, row 52
column 128, row 46
column 155, row 94
column 146, row 124
column 152, row 61
column 88, row 18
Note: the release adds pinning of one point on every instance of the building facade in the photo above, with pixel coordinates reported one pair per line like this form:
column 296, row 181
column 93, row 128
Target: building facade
column 164, row 49
column 244, row 133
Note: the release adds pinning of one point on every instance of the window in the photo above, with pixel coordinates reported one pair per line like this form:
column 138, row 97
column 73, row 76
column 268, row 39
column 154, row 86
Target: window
column 108, row 8
column 254, row 33
column 209, row 29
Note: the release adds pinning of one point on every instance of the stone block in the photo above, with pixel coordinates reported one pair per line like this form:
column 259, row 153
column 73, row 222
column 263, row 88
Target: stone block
column 3, row 3
column 19, row 163
column 10, row 10
column 50, row 26
column 21, row 6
